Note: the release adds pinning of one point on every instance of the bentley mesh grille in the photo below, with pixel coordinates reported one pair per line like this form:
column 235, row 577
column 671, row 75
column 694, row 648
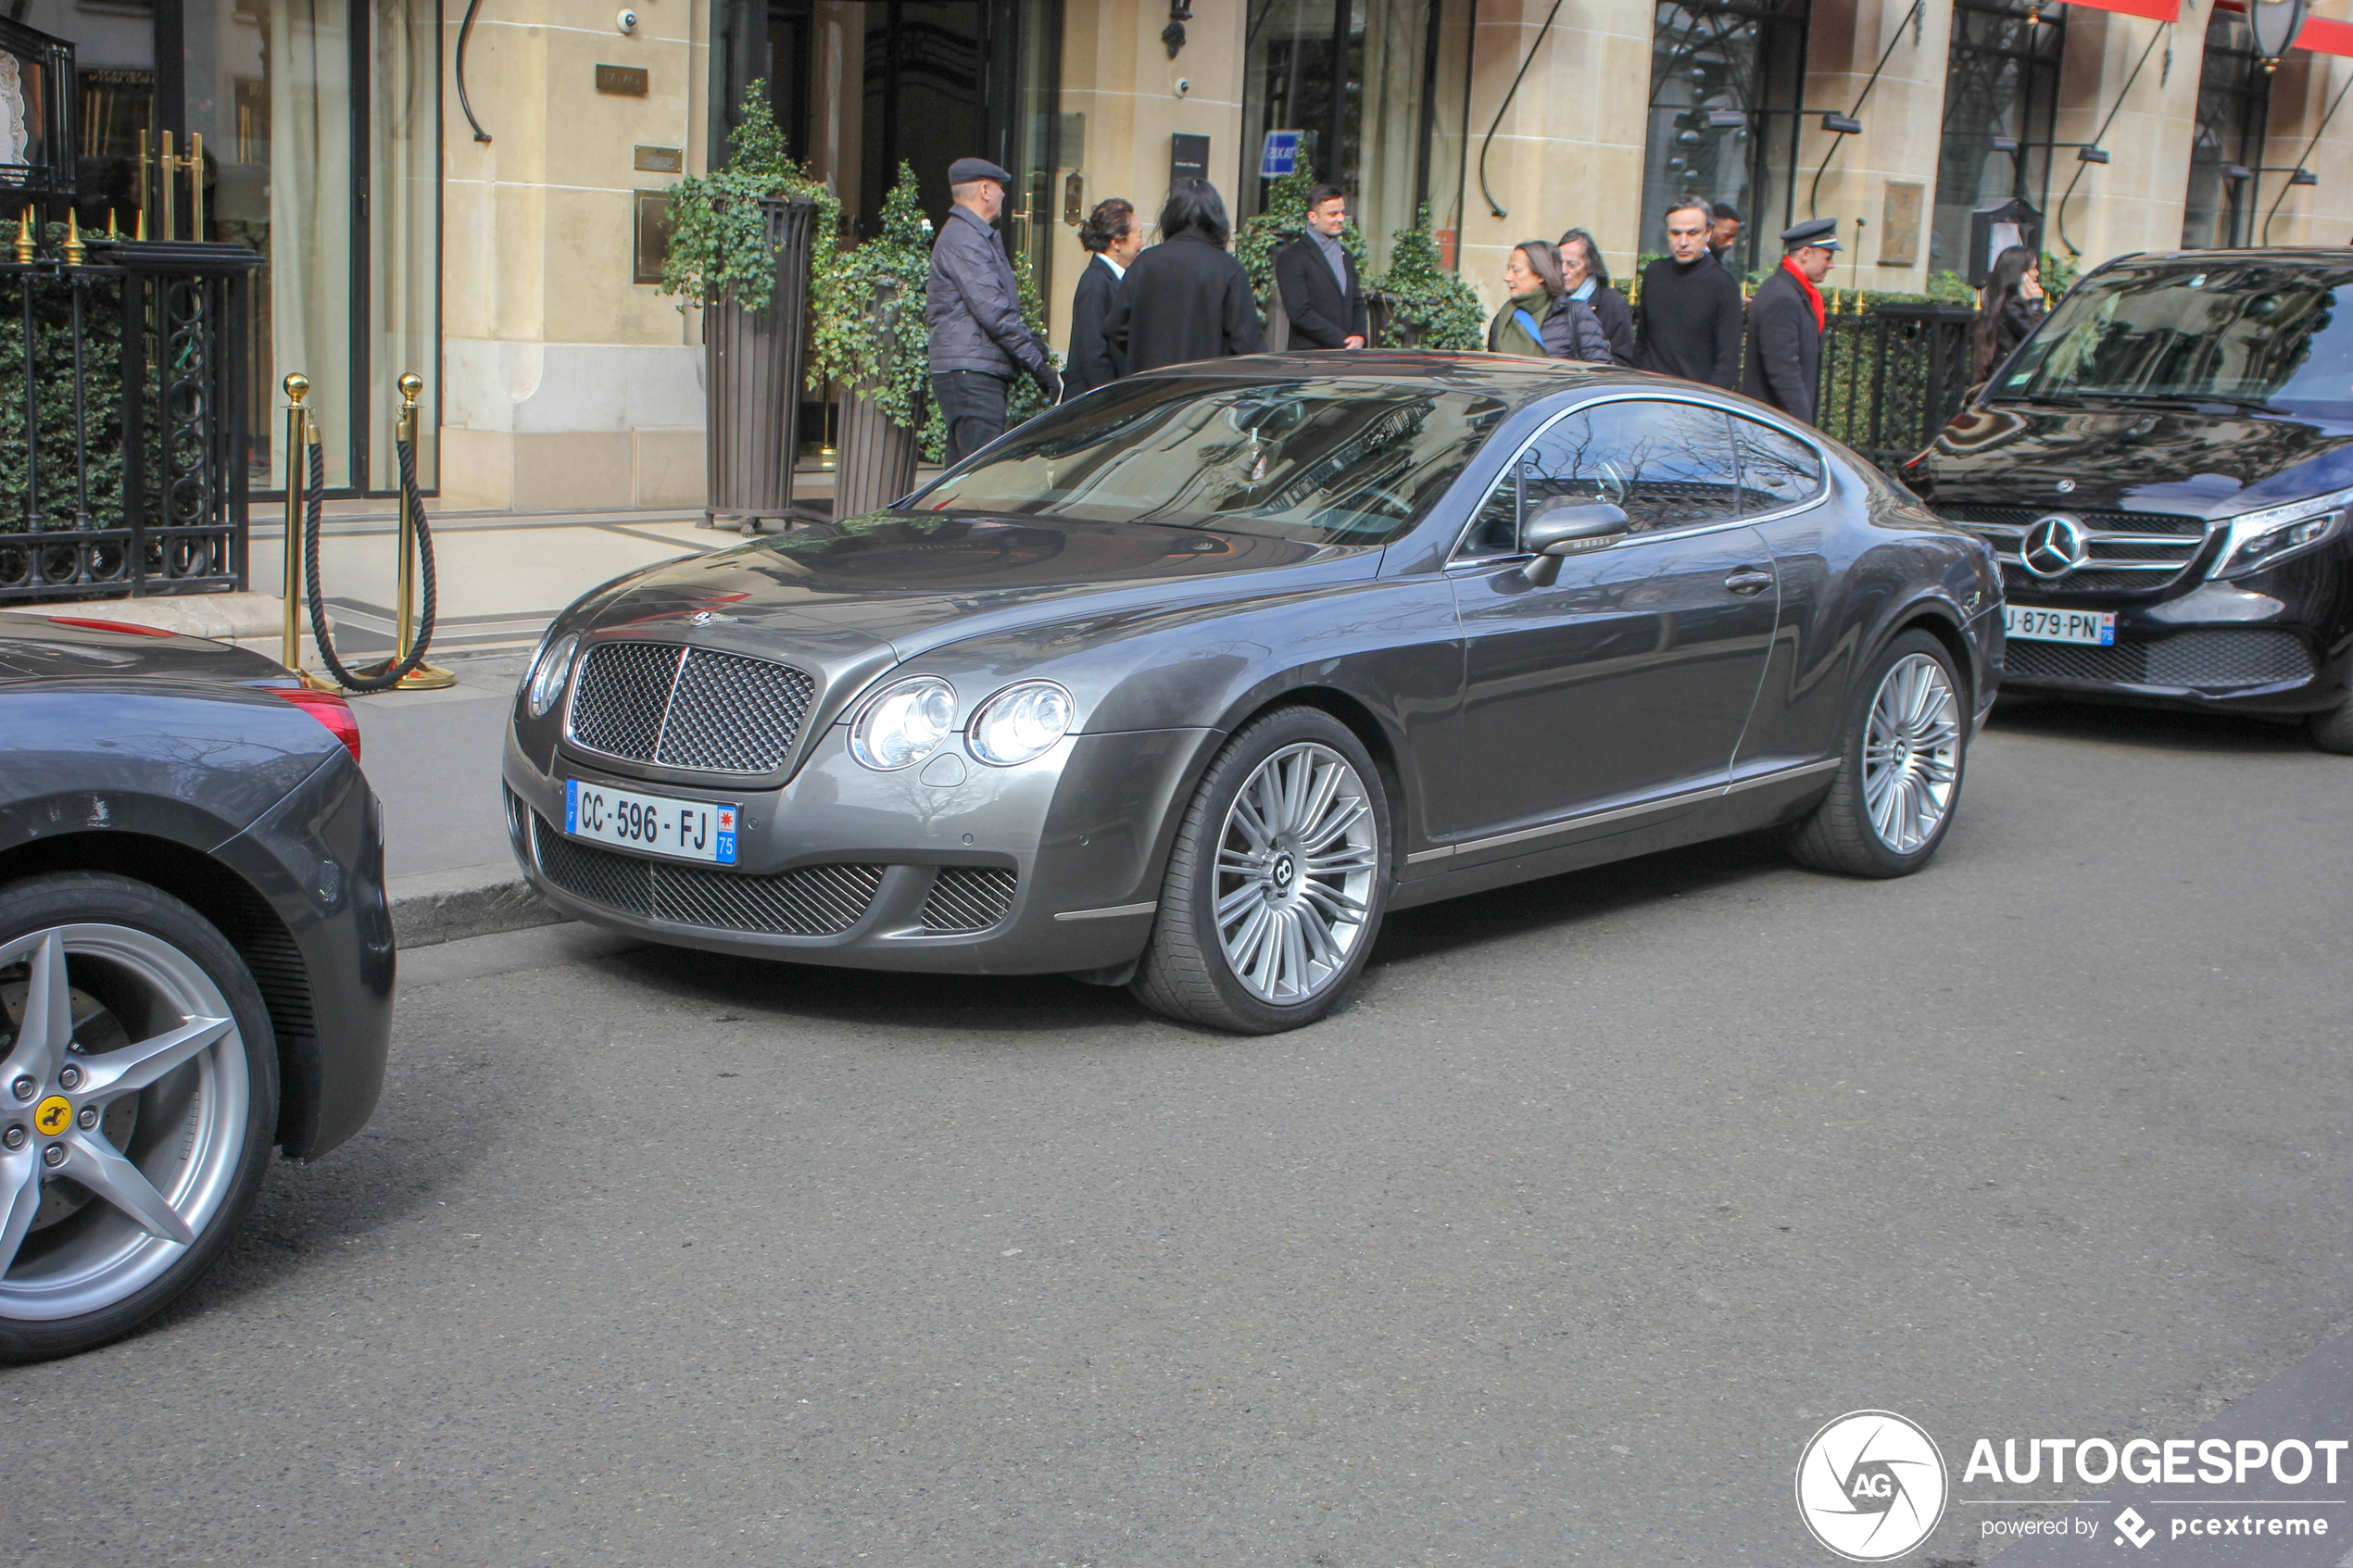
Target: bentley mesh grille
column 969, row 898
column 2213, row 659
column 811, row 901
column 688, row 707
column 2144, row 552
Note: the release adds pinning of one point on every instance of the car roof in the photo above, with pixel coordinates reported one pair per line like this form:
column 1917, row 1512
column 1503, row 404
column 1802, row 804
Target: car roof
column 1515, row 379
column 2332, row 255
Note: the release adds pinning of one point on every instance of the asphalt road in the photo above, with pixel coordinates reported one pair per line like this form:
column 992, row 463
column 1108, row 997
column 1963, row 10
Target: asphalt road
column 1554, row 1246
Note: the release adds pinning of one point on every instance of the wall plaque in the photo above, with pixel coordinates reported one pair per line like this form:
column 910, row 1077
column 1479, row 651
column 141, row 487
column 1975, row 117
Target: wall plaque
column 1188, row 157
column 1899, row 230
column 628, row 80
column 661, row 160
column 649, row 238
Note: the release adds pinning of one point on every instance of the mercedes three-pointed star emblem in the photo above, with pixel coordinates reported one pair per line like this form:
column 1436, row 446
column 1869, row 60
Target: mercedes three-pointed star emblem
column 2054, row 546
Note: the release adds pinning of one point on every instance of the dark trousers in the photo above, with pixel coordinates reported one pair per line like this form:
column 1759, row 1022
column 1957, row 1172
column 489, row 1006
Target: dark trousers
column 972, row 404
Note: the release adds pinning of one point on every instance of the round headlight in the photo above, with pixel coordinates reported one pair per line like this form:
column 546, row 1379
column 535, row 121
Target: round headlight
column 1019, row 723
column 904, row 724
column 548, row 675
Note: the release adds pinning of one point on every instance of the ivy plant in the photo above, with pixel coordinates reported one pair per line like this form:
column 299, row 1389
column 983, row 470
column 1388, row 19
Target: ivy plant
column 719, row 246
column 867, row 324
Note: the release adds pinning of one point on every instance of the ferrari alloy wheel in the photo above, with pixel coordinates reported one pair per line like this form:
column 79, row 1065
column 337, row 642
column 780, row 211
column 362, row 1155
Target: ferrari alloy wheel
column 1277, row 881
column 1899, row 770
column 137, row 1094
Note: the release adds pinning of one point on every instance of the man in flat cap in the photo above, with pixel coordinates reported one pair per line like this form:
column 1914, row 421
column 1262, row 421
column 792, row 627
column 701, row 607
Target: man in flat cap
column 1786, row 320
column 978, row 341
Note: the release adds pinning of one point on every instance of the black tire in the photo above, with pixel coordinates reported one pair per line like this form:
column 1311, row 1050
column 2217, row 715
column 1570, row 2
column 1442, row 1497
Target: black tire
column 1185, row 973
column 1838, row 835
column 224, row 1175
column 2332, row 731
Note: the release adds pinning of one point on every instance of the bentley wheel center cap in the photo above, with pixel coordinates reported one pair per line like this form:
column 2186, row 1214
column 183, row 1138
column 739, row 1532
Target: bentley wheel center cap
column 1284, row 870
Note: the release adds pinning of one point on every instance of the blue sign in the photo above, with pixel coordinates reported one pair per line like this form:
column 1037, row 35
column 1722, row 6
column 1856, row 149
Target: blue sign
column 1281, row 155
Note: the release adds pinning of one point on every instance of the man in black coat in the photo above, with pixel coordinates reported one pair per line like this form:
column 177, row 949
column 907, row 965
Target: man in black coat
column 1318, row 277
column 973, row 307
column 1786, row 319
column 1185, row 298
column 1689, row 314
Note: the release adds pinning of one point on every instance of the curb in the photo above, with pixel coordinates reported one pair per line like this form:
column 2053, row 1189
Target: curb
column 476, row 901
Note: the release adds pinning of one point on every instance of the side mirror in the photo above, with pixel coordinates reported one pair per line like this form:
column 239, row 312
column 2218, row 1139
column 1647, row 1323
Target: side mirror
column 1568, row 531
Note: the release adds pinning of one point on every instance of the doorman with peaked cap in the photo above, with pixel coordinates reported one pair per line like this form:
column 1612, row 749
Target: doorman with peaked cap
column 1786, row 320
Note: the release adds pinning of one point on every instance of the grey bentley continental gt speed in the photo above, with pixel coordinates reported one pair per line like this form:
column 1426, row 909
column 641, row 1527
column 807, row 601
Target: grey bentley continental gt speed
column 1186, row 683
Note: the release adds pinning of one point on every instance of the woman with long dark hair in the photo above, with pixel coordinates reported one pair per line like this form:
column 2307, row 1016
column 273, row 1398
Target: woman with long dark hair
column 1185, row 298
column 2010, row 307
column 1112, row 236
column 1586, row 276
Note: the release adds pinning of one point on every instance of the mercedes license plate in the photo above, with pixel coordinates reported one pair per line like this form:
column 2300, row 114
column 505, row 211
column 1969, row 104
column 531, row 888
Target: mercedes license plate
column 690, row 830
column 2031, row 623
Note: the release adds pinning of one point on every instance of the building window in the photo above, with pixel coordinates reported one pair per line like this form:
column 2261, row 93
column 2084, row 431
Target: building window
column 2001, row 78
column 2234, row 98
column 1377, row 91
column 1725, row 83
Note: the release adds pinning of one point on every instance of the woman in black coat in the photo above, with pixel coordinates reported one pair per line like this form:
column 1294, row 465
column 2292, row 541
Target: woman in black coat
column 1185, row 298
column 1113, row 237
column 1586, row 276
column 2010, row 307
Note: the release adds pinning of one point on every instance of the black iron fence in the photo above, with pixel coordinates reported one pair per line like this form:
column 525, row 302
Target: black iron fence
column 123, row 429
column 1892, row 376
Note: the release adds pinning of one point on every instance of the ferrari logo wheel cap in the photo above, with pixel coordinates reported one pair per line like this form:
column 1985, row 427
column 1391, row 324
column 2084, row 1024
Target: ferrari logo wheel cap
column 53, row 1115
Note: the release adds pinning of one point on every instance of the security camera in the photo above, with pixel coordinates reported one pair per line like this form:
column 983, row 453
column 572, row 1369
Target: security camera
column 626, row 21
column 1183, row 86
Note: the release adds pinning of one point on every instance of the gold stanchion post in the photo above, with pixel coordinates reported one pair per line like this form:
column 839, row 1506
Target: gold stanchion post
column 298, row 481
column 424, row 677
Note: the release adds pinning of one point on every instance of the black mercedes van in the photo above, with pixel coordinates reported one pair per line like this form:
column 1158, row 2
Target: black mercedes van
column 2165, row 469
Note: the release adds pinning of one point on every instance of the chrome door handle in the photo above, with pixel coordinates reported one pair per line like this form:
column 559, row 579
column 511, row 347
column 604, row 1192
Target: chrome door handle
column 1749, row 580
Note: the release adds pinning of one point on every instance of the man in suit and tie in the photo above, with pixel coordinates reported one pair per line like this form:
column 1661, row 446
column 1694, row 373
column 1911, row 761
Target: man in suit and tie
column 1318, row 277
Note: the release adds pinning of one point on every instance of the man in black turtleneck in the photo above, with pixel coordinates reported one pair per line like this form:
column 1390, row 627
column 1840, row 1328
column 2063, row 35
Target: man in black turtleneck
column 1688, row 318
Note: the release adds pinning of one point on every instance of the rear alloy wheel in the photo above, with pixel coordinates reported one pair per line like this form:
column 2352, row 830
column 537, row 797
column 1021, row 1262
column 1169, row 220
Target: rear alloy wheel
column 1899, row 775
column 138, row 1095
column 1277, row 881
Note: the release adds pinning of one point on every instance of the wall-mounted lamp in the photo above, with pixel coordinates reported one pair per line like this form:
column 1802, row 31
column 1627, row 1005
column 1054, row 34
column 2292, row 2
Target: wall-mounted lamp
column 2091, row 155
column 1727, row 119
column 1841, row 124
column 2303, row 176
column 2276, row 23
column 1179, row 13
column 2006, row 144
column 2234, row 172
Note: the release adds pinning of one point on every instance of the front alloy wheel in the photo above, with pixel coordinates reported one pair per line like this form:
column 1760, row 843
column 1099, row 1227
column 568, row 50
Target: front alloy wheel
column 137, row 1094
column 1278, row 881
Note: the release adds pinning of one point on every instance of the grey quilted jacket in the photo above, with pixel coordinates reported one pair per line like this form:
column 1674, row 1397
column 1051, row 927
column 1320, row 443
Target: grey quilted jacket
column 972, row 305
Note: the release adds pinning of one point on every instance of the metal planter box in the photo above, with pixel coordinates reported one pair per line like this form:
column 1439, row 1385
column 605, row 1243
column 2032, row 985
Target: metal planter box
column 752, row 362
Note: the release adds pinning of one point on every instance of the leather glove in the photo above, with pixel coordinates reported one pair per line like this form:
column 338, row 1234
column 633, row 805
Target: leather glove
column 1050, row 384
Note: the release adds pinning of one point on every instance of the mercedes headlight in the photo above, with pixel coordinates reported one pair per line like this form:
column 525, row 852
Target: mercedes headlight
column 547, row 674
column 903, row 724
column 1020, row 723
column 2261, row 540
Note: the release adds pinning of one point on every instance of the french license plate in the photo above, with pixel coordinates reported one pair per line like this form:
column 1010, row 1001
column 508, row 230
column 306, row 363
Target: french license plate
column 2033, row 624
column 691, row 830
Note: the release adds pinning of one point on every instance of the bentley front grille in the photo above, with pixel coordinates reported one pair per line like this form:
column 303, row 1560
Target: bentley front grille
column 968, row 899
column 2114, row 552
column 810, row 901
column 2210, row 659
column 687, row 706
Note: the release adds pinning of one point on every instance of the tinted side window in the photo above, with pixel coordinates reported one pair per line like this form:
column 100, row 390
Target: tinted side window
column 1776, row 470
column 1667, row 465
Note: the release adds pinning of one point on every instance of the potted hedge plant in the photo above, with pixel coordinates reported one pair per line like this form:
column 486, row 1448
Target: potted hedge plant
column 744, row 245
column 1425, row 304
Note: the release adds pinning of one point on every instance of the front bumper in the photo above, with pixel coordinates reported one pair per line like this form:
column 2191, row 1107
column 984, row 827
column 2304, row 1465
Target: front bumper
column 1051, row 867
column 2276, row 642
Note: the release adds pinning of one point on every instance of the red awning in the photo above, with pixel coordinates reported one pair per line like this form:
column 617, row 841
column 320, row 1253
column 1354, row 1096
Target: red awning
column 2325, row 37
column 2154, row 10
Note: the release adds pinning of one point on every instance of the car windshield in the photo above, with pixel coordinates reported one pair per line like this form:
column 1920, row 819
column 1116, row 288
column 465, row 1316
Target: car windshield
column 2263, row 331
column 1320, row 461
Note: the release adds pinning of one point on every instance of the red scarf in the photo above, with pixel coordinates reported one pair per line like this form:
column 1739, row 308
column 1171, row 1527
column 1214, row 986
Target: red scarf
column 1813, row 295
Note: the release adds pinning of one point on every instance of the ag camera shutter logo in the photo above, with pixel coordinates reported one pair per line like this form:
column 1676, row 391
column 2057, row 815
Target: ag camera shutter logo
column 1871, row 1485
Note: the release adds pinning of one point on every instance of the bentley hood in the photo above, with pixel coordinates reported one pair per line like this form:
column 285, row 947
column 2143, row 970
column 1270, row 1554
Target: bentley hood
column 915, row 581
column 2132, row 459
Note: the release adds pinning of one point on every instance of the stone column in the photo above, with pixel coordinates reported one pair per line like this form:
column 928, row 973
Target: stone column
column 1899, row 145
column 2133, row 202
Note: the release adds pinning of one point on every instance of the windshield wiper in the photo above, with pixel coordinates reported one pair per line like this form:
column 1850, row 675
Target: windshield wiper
column 2179, row 399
